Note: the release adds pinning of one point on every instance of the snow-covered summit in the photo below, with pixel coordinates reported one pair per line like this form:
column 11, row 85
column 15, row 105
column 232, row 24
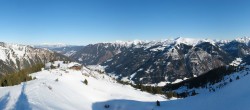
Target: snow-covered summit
column 188, row 41
column 129, row 43
column 245, row 40
column 164, row 42
column 17, row 50
column 193, row 41
column 15, row 56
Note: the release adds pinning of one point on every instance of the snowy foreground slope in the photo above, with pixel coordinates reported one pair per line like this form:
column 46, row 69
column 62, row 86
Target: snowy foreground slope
column 234, row 96
column 69, row 92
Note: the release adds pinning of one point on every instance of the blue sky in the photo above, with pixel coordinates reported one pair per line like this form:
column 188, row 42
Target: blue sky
column 89, row 21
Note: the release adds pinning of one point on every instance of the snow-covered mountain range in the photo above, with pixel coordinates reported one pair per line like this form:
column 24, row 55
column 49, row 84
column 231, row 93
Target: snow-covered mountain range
column 51, row 45
column 163, row 61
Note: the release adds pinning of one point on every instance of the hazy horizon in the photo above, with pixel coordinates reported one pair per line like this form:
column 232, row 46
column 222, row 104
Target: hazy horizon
column 144, row 40
column 84, row 44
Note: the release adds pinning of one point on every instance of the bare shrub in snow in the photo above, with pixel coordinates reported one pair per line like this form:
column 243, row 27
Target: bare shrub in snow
column 50, row 88
column 85, row 82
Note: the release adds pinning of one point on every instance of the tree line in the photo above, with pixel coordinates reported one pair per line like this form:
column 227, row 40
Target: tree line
column 211, row 77
column 153, row 89
column 19, row 76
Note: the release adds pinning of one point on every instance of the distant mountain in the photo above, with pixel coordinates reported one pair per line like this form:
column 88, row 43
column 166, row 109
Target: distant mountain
column 97, row 53
column 67, row 50
column 51, row 45
column 166, row 61
column 14, row 57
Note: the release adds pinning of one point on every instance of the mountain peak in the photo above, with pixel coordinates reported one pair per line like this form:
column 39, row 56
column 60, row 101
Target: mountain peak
column 243, row 40
column 188, row 41
column 135, row 42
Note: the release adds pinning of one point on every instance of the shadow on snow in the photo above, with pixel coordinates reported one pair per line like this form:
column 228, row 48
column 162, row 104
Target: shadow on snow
column 122, row 104
column 22, row 102
column 4, row 101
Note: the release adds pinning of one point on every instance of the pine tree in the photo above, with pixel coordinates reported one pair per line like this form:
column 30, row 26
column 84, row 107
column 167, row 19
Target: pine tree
column 237, row 77
column 193, row 93
column 85, row 81
column 158, row 103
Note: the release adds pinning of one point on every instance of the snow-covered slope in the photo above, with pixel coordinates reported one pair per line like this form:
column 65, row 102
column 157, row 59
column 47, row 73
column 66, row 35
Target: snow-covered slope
column 69, row 92
column 234, row 96
column 14, row 57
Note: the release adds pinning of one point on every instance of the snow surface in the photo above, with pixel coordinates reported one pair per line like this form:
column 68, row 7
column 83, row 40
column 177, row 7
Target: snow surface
column 163, row 83
column 128, row 43
column 133, row 75
column 236, row 62
column 188, row 41
column 70, row 53
column 69, row 93
column 177, row 81
column 160, row 48
column 73, row 64
column 233, row 96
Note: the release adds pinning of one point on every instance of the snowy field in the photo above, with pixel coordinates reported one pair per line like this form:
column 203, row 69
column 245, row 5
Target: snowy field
column 69, row 92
